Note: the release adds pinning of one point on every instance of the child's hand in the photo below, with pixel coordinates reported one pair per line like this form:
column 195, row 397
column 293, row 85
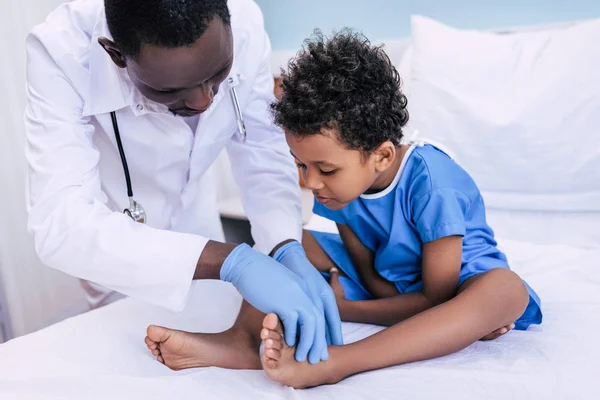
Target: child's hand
column 338, row 290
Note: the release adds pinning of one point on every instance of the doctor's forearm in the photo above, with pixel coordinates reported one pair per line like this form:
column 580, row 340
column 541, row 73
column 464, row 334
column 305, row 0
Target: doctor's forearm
column 211, row 259
column 214, row 254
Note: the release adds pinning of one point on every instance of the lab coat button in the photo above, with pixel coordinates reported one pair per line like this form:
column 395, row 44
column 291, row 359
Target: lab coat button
column 140, row 107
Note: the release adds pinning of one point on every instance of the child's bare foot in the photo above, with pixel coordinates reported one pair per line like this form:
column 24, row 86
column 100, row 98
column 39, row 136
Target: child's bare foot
column 280, row 365
column 498, row 332
column 233, row 349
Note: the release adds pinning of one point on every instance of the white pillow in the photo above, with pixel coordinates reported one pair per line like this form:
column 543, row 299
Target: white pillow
column 521, row 112
column 404, row 66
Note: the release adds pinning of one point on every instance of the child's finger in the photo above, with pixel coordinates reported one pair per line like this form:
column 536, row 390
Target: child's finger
column 334, row 277
column 334, row 282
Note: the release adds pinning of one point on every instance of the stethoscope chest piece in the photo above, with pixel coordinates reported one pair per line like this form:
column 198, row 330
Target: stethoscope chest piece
column 135, row 211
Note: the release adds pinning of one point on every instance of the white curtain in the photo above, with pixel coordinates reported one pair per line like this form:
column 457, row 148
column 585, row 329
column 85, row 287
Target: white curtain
column 34, row 295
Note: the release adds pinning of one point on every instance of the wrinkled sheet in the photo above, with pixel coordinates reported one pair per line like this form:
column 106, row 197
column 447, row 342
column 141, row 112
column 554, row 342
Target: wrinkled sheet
column 101, row 354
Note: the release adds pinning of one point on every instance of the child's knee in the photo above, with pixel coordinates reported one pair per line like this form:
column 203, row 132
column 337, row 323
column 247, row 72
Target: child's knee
column 510, row 288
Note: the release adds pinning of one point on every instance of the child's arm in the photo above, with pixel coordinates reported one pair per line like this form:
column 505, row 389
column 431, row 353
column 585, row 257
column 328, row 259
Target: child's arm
column 363, row 259
column 441, row 268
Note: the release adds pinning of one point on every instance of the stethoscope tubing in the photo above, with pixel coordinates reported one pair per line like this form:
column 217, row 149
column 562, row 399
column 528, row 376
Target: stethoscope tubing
column 133, row 204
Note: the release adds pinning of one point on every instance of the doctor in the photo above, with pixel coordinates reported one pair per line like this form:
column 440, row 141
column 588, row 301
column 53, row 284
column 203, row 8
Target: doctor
column 129, row 104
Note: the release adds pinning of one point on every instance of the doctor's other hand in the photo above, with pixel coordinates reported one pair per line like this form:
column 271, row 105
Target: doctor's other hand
column 293, row 257
column 271, row 288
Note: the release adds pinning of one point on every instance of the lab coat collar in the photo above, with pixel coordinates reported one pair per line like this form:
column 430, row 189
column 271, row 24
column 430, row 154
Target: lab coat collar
column 110, row 88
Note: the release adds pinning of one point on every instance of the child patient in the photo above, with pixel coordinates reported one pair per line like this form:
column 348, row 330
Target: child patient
column 414, row 252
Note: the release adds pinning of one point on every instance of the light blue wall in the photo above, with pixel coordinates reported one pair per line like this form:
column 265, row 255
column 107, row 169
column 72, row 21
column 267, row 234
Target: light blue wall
column 288, row 22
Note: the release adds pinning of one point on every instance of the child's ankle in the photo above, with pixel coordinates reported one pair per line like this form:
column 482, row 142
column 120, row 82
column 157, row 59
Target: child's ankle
column 336, row 371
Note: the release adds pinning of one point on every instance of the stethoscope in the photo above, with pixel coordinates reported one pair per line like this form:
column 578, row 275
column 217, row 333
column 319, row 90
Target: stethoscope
column 135, row 211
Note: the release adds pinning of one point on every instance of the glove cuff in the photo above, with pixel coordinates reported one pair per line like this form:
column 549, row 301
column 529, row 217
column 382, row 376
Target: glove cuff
column 290, row 247
column 230, row 270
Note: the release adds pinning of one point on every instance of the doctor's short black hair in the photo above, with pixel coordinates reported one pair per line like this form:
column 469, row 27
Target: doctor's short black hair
column 164, row 23
column 343, row 83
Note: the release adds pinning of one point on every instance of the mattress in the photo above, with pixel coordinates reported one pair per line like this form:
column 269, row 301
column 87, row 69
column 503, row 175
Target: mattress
column 101, row 354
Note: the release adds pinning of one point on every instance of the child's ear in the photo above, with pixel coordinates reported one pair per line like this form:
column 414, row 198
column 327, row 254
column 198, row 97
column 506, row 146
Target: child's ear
column 384, row 155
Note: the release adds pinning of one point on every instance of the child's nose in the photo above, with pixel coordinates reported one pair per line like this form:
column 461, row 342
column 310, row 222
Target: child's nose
column 312, row 181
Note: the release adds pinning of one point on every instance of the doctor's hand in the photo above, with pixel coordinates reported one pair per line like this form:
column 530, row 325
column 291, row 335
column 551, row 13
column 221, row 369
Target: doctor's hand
column 293, row 257
column 270, row 287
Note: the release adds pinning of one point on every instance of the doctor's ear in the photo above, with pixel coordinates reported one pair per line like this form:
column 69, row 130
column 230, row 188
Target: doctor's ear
column 115, row 54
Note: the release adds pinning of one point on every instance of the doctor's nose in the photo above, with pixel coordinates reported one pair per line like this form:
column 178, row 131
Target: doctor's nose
column 200, row 98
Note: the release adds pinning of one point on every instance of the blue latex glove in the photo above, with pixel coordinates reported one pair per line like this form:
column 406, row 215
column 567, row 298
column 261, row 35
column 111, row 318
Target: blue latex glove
column 270, row 287
column 293, row 257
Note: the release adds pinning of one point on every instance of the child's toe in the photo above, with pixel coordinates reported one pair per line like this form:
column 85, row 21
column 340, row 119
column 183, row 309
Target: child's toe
column 149, row 342
column 268, row 334
column 270, row 364
column 498, row 332
column 151, row 345
column 273, row 354
column 157, row 333
column 492, row 335
column 273, row 344
column 270, row 322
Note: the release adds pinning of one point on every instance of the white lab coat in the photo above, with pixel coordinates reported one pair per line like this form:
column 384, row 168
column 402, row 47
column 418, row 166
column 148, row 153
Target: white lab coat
column 77, row 190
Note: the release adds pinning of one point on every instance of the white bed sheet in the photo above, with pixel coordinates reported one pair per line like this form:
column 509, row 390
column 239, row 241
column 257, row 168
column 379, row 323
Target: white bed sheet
column 101, row 354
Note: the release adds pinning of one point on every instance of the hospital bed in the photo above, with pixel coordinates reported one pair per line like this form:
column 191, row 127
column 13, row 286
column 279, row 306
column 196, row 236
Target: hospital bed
column 553, row 245
column 101, row 354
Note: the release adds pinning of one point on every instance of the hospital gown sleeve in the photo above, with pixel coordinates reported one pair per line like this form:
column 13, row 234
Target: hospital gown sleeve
column 440, row 213
column 263, row 166
column 73, row 229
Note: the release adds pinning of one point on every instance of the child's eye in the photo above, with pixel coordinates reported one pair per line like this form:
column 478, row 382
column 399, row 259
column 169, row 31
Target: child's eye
column 301, row 166
column 165, row 91
column 327, row 173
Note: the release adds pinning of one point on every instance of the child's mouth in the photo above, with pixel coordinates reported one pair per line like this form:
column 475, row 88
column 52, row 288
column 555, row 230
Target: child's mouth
column 322, row 200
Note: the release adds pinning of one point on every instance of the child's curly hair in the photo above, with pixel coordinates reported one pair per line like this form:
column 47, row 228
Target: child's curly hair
column 343, row 83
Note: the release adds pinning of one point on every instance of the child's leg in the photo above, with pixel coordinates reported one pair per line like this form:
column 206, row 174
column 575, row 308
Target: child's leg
column 315, row 253
column 235, row 348
column 323, row 262
column 484, row 303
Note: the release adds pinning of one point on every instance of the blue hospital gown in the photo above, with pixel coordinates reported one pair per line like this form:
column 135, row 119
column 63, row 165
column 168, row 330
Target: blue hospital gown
column 430, row 198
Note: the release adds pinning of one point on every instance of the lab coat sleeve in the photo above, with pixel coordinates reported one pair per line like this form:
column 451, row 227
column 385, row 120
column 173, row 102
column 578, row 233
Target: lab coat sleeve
column 264, row 169
column 73, row 229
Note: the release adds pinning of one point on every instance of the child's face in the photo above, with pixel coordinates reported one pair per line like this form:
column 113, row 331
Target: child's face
column 335, row 174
